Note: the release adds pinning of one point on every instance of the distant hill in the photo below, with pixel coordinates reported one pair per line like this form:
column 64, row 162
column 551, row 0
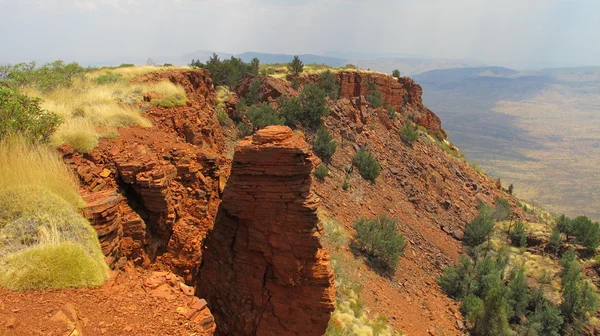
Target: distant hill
column 537, row 129
column 283, row 58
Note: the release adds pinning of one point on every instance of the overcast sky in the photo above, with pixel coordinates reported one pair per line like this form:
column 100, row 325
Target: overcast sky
column 500, row 32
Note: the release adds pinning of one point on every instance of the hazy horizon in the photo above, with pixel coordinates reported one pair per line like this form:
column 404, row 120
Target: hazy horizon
column 512, row 33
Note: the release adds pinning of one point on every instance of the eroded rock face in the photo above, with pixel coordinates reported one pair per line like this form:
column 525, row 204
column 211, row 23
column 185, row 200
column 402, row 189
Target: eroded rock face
column 264, row 270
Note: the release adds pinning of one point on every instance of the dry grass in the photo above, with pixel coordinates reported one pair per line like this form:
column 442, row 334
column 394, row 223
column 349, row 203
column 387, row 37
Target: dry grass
column 25, row 165
column 90, row 109
column 281, row 71
column 136, row 71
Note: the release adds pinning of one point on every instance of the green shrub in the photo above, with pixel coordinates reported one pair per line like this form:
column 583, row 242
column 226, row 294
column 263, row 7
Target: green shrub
column 253, row 95
column 295, row 83
column 126, row 65
column 314, row 105
column 323, row 144
column 511, row 188
column 108, row 78
column 45, row 243
column 374, row 96
column 555, row 240
column 244, row 129
column 479, row 229
column 408, row 134
column 457, row 281
column 502, row 209
column 170, row 101
column 518, row 237
column 518, row 292
column 295, row 67
column 472, row 308
column 223, row 117
column 45, row 78
column 82, row 141
column 579, row 300
column 586, row 232
column 494, row 320
column 391, row 112
column 264, row 115
column 546, row 320
column 396, row 73
column 367, row 165
column 321, row 172
column 346, row 184
column 227, row 72
column 329, row 84
column 23, row 115
column 380, row 239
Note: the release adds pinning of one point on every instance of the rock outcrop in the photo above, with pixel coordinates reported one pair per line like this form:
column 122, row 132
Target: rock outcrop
column 264, row 270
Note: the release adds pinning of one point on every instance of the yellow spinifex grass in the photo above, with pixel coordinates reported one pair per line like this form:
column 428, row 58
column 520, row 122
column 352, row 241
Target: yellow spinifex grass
column 90, row 109
column 23, row 164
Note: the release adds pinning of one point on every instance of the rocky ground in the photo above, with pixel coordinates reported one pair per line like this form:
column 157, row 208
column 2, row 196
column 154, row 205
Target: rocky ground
column 154, row 196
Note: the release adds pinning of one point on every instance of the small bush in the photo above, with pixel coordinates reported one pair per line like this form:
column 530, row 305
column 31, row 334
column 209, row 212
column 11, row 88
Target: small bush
column 555, row 240
column 170, row 101
column 82, row 141
column 518, row 237
column 472, row 308
column 23, row 115
column 380, row 239
column 346, row 184
column 108, row 78
column 457, row 281
column 314, row 105
column 253, row 94
column 321, row 172
column 391, row 112
column 502, row 209
column 367, row 165
column 329, row 84
column 408, row 134
column 374, row 96
column 479, row 229
column 396, row 73
column 295, row 67
column 227, row 72
column 223, row 117
column 244, row 129
column 323, row 144
column 264, row 115
column 511, row 188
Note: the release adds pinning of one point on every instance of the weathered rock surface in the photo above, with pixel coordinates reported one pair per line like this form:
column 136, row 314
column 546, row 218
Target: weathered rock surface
column 270, row 88
column 264, row 270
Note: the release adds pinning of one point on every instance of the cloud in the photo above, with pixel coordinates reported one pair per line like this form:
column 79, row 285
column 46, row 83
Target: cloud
column 499, row 32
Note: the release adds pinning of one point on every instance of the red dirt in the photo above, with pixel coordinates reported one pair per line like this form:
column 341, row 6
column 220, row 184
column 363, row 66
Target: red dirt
column 132, row 302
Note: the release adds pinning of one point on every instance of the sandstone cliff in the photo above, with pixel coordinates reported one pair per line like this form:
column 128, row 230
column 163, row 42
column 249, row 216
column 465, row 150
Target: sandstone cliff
column 264, row 270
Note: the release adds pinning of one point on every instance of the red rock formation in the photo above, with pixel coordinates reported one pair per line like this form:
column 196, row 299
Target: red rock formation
column 270, row 88
column 264, row 270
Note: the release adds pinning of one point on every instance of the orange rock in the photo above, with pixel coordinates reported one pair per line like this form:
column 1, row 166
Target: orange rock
column 264, row 261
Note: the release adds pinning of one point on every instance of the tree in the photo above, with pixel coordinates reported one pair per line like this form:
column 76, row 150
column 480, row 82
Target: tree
column 323, row 144
column 23, row 115
column 329, row 84
column 380, row 239
column 367, row 165
column 472, row 308
column 264, row 115
column 321, row 172
column 227, row 72
column 565, row 225
column 518, row 292
column 546, row 318
column 253, row 94
column 518, row 237
column 555, row 240
column 502, row 209
column 296, row 66
column 480, row 227
column 314, row 105
column 511, row 188
column 255, row 66
column 396, row 73
column 457, row 281
column 408, row 134
column 494, row 321
column 587, row 233
column 578, row 298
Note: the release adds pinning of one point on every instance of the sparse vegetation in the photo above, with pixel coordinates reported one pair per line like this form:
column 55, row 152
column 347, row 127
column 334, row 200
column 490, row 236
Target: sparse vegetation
column 44, row 78
column 323, row 144
column 321, row 172
column 555, row 241
column 329, row 84
column 392, row 112
column 586, row 232
column 295, row 67
column 408, row 134
column 517, row 236
column 226, row 72
column 480, row 228
column 374, row 96
column 502, row 209
column 367, row 165
column 173, row 100
column 23, row 115
column 307, row 109
column 264, row 115
column 108, row 78
column 253, row 95
column 380, row 240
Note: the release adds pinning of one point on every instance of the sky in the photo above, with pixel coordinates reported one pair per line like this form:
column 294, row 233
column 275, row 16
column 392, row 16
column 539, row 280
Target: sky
column 517, row 33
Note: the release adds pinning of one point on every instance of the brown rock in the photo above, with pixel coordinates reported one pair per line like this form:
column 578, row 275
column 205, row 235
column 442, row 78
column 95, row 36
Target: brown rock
column 263, row 260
